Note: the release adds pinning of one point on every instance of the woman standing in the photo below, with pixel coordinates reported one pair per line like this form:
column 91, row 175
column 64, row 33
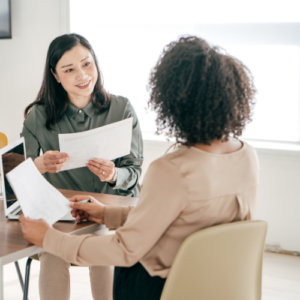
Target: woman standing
column 72, row 99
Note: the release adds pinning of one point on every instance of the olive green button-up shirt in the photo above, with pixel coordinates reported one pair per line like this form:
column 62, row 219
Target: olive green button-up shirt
column 37, row 138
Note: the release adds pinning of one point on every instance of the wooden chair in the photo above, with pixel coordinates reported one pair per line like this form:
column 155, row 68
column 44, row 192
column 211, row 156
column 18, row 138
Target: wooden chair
column 222, row 262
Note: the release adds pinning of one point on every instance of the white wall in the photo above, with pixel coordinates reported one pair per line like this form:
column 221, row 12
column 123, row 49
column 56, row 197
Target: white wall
column 36, row 22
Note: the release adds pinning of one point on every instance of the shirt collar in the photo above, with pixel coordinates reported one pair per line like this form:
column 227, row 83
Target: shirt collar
column 88, row 110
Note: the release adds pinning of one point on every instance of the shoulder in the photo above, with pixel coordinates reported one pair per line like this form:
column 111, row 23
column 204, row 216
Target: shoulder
column 121, row 102
column 164, row 173
column 122, row 105
column 36, row 116
column 251, row 154
column 118, row 101
column 172, row 160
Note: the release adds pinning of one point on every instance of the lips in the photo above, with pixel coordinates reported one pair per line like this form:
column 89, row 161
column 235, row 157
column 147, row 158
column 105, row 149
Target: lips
column 84, row 85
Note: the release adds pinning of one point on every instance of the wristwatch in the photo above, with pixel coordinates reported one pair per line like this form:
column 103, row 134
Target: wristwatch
column 114, row 179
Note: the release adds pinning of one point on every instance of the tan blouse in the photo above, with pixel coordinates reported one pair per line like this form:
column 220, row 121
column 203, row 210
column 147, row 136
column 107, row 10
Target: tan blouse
column 183, row 191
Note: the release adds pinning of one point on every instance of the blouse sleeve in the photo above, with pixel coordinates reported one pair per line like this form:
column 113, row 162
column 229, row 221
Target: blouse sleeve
column 31, row 143
column 162, row 199
column 115, row 216
column 130, row 166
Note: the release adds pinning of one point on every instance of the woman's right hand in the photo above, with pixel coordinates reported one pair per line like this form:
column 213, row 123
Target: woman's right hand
column 93, row 211
column 51, row 161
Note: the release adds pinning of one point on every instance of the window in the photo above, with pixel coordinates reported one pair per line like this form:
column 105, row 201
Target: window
column 128, row 37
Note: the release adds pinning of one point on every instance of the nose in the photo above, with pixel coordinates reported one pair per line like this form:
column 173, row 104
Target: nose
column 81, row 74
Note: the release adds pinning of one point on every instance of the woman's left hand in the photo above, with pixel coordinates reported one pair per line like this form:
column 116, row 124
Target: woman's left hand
column 34, row 230
column 104, row 169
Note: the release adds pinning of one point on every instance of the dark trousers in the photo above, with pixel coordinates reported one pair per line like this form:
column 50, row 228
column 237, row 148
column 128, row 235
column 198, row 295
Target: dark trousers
column 135, row 283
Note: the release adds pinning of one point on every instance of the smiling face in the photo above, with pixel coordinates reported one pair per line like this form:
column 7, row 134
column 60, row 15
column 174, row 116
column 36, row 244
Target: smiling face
column 77, row 73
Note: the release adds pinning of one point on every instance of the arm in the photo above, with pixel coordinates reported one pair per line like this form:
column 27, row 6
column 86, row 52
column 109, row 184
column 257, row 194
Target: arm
column 129, row 166
column 162, row 199
column 112, row 216
column 32, row 145
column 50, row 161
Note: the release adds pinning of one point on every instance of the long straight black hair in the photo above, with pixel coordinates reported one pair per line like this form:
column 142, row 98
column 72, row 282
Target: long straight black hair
column 52, row 95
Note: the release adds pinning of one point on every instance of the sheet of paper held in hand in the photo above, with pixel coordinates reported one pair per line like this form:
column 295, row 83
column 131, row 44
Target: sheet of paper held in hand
column 106, row 142
column 37, row 197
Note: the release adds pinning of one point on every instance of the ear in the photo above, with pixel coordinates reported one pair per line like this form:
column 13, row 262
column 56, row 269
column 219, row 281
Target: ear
column 55, row 75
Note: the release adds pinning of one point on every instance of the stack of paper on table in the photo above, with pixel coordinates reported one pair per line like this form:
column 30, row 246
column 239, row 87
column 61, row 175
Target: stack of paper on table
column 106, row 142
column 37, row 197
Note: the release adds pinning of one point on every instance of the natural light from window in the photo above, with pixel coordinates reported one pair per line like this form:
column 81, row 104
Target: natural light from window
column 128, row 46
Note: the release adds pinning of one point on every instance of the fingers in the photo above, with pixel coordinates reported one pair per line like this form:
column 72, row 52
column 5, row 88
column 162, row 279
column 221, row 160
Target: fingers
column 101, row 166
column 80, row 216
column 22, row 218
column 54, row 168
column 98, row 172
column 75, row 211
column 102, row 174
column 107, row 163
column 54, row 161
column 57, row 160
column 54, row 155
column 104, row 169
column 80, row 206
column 78, row 198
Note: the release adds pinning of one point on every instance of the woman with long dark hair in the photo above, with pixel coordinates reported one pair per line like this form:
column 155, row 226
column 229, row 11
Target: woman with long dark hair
column 72, row 99
column 204, row 99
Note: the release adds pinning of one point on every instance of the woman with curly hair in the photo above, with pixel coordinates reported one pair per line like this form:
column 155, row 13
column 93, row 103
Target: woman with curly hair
column 204, row 99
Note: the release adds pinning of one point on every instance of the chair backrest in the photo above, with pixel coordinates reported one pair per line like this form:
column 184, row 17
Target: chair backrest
column 222, row 262
column 3, row 140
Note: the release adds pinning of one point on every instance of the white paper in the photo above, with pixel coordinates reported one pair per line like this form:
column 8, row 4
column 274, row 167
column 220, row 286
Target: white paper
column 106, row 142
column 37, row 197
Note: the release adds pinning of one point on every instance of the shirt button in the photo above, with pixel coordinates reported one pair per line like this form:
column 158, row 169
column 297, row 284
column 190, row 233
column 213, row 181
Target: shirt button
column 80, row 111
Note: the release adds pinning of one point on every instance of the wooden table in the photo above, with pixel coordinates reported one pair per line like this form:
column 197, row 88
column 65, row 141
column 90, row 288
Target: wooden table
column 13, row 246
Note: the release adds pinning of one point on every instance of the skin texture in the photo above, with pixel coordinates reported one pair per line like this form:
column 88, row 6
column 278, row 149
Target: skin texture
column 104, row 169
column 76, row 67
column 93, row 211
column 34, row 230
column 51, row 161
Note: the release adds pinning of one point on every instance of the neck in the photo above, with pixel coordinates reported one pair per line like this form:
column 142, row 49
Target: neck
column 79, row 101
column 219, row 147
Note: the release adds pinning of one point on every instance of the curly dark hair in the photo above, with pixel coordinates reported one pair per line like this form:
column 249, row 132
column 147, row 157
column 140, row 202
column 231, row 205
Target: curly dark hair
column 199, row 94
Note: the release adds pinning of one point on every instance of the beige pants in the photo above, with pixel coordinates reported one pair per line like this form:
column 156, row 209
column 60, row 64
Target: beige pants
column 54, row 281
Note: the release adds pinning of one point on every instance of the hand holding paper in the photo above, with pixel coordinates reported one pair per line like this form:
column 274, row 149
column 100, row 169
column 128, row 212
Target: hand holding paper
column 107, row 142
column 37, row 197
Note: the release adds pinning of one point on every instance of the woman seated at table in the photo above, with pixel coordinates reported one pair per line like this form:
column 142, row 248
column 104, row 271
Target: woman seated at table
column 204, row 99
column 72, row 99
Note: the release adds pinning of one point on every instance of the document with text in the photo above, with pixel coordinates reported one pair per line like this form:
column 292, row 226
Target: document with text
column 107, row 142
column 37, row 197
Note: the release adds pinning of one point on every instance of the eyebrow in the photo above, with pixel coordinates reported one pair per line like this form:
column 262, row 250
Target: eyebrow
column 72, row 64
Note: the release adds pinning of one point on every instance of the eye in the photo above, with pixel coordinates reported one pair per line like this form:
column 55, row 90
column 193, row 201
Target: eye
column 87, row 64
column 69, row 70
